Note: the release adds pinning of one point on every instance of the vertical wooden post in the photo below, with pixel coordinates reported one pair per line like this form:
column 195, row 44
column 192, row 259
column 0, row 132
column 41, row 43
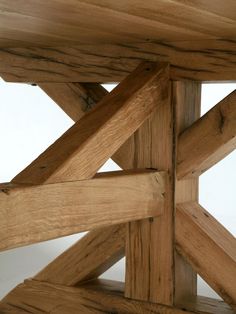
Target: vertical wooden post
column 150, row 243
column 153, row 271
column 187, row 103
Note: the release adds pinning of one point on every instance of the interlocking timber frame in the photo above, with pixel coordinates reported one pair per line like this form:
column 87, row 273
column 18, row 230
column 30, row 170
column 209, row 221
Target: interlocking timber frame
column 148, row 212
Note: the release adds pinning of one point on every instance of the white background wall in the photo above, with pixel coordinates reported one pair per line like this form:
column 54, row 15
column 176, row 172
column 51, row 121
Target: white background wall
column 30, row 122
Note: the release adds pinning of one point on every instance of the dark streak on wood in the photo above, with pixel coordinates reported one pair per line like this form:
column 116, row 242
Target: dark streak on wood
column 202, row 60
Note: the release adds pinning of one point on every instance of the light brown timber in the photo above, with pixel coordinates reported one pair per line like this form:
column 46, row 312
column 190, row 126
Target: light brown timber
column 149, row 248
column 31, row 214
column 103, row 296
column 187, row 103
column 208, row 247
column 88, row 258
column 208, row 140
column 75, row 99
column 103, row 130
column 78, row 262
column 113, row 251
column 203, row 60
column 85, row 21
column 99, row 249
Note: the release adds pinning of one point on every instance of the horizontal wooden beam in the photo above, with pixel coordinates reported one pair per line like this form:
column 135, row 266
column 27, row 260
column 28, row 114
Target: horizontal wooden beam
column 103, row 296
column 30, row 214
column 87, row 145
column 88, row 258
column 208, row 247
column 208, row 140
column 202, row 60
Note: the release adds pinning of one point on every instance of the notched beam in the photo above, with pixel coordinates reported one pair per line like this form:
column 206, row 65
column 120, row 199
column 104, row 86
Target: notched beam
column 208, row 140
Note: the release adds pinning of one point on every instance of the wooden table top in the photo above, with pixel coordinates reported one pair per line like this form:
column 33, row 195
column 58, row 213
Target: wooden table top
column 104, row 40
column 57, row 22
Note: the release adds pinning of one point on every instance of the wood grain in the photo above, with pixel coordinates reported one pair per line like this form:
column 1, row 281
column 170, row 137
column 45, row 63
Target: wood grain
column 78, row 263
column 103, row 130
column 99, row 249
column 208, row 140
column 196, row 17
column 31, row 214
column 208, row 247
column 204, row 60
column 88, row 258
column 149, row 248
column 201, row 304
column 112, row 251
column 86, row 21
column 187, row 103
column 75, row 99
column 101, row 297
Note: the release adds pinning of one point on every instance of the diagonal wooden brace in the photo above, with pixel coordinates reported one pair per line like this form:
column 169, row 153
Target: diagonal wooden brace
column 76, row 99
column 208, row 140
column 209, row 248
column 111, row 255
column 102, row 131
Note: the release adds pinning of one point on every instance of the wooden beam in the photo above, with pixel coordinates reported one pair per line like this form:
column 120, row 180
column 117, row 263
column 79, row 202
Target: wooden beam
column 208, row 247
column 103, row 296
column 91, row 21
column 203, row 60
column 208, row 140
column 150, row 246
column 11, row 309
column 96, row 252
column 201, row 304
column 31, row 214
column 75, row 99
column 187, row 104
column 72, row 97
column 102, row 131
column 88, row 258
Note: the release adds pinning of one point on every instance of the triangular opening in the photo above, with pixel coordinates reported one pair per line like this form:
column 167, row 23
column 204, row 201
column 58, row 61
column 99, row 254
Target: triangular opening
column 116, row 272
column 214, row 93
column 205, row 290
column 109, row 165
column 109, row 87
